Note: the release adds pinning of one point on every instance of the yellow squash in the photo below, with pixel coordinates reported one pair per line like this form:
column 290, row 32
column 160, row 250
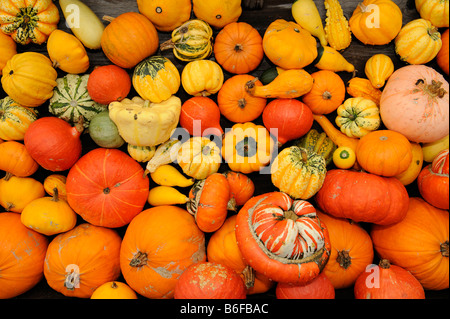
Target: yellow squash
column 378, row 69
column 166, row 195
column 337, row 27
column 167, row 175
column 307, row 15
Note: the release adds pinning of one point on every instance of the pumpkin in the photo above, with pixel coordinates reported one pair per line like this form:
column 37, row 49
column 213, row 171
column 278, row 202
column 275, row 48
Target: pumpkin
column 418, row 42
column 298, row 172
column 15, row 119
column 17, row 192
column 241, row 186
column 318, row 288
column 238, row 48
column 247, row 147
column 326, row 94
column 442, row 56
column 358, row 116
column 67, row 52
column 108, row 83
column 190, row 41
column 360, row 87
column 287, row 119
column 384, row 152
column 49, row 215
column 104, row 132
column 71, row 100
column 16, row 159
column 236, row 104
column 22, row 256
column 156, row 79
column 380, row 200
column 435, row 11
column 166, row 15
column 352, row 250
column 422, row 93
column 337, row 29
column 433, row 181
column 223, row 249
column 199, row 157
column 318, row 142
column 378, row 69
column 144, row 123
column 210, row 200
column 273, row 246
column 202, row 77
column 129, row 39
column 200, row 116
column 106, row 187
column 412, row 172
column 28, row 22
column 77, row 262
column 208, row 280
column 141, row 153
column 217, row 13
column 158, row 245
column 288, row 45
column 424, row 251
column 330, row 59
column 114, row 290
column 376, row 22
column 387, row 282
column 53, row 143
column 8, row 48
column 29, row 78
column 57, row 181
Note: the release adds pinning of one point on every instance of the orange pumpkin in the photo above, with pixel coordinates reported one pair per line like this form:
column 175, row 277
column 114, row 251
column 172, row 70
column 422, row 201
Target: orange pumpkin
column 129, row 39
column 15, row 159
column 17, row 192
column 22, row 254
column 238, row 48
column 418, row 243
column 108, row 83
column 327, row 93
column 318, row 288
column 442, row 56
column 114, row 290
column 79, row 261
column 158, row 245
column 384, row 152
column 352, row 250
column 241, row 186
column 8, row 48
column 166, row 15
column 236, row 104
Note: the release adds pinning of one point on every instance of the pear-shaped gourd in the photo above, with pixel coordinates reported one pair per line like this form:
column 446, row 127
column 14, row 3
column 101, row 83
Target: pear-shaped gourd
column 167, row 175
column 166, row 195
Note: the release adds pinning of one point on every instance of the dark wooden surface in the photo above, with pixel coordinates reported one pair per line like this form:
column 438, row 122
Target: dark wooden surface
column 357, row 54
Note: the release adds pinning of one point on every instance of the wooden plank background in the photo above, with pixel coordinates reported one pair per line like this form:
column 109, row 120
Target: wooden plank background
column 357, row 54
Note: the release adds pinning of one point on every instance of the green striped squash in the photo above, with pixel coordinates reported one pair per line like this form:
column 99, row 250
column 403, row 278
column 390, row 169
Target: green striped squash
column 71, row 100
column 15, row 119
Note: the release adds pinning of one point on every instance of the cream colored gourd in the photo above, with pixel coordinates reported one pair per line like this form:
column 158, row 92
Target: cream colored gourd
column 167, row 175
column 378, row 69
column 166, row 195
column 165, row 153
column 143, row 123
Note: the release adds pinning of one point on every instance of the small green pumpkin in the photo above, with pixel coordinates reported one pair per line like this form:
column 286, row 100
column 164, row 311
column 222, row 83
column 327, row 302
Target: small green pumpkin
column 15, row 119
column 71, row 100
column 104, row 132
column 318, row 143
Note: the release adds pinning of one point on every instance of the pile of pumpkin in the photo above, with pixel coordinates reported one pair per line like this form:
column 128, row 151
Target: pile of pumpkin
column 216, row 238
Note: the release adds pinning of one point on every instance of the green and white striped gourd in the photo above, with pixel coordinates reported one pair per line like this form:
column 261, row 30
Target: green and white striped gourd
column 71, row 100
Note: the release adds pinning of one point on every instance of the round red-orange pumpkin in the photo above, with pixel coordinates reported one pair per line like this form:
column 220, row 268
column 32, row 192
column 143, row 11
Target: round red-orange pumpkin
column 318, row 288
column 200, row 116
column 208, row 280
column 108, row 83
column 270, row 243
column 442, row 57
column 77, row 262
column 158, row 245
column 22, row 254
column 351, row 251
column 419, row 243
column 238, row 48
column 106, row 187
column 363, row 197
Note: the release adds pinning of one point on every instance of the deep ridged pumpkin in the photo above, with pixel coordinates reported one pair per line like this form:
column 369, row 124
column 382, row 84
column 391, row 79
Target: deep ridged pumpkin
column 15, row 119
column 435, row 11
column 202, row 77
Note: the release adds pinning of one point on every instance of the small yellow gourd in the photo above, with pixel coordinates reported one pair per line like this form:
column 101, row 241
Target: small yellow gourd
column 167, row 175
column 337, row 28
column 165, row 153
column 378, row 69
column 202, row 77
column 166, row 195
column 67, row 52
column 114, row 290
column 141, row 153
column 330, row 59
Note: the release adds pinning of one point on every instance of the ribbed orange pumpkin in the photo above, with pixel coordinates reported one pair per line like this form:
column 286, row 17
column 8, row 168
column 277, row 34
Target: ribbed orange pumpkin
column 22, row 253
column 158, row 245
column 419, row 243
column 129, row 39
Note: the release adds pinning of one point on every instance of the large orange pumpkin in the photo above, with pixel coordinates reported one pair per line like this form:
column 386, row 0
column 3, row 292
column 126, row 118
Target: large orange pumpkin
column 107, row 187
column 22, row 253
column 419, row 243
column 158, row 245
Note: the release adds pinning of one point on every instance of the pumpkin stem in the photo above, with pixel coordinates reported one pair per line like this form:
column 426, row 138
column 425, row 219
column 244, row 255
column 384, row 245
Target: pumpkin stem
column 242, row 103
column 232, row 204
column 166, row 45
column 327, row 95
column 434, row 89
column 303, row 154
column 238, row 47
column 250, row 86
column 385, row 264
column 344, row 260
column 114, row 285
column 249, row 277
column 444, row 249
column 55, row 197
column 72, row 280
column 108, row 18
column 139, row 259
column 7, row 176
